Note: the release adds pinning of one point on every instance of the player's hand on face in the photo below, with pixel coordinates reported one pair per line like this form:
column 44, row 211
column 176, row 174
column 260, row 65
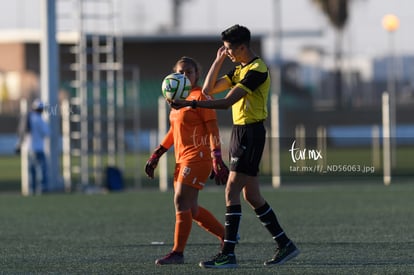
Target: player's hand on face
column 221, row 52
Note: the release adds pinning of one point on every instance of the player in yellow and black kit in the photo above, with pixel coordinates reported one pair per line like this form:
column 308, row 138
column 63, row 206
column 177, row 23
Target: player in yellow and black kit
column 249, row 85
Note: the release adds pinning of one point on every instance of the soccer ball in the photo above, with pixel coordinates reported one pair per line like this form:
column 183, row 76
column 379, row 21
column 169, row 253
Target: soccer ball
column 175, row 86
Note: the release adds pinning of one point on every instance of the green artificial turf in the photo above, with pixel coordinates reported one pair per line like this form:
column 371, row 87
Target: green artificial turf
column 339, row 228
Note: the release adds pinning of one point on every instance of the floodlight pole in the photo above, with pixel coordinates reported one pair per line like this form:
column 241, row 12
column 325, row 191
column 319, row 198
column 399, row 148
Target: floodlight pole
column 50, row 88
column 391, row 23
column 386, row 133
column 391, row 87
column 274, row 98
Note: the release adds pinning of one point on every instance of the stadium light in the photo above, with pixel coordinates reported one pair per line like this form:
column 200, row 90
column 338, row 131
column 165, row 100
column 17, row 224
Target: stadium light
column 391, row 23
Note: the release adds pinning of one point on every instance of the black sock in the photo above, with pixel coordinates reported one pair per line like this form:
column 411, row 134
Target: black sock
column 232, row 221
column 268, row 218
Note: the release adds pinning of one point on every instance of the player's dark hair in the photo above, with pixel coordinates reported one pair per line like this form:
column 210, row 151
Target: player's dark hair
column 236, row 35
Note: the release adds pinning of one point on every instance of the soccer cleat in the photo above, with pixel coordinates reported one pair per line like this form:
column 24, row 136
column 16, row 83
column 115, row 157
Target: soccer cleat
column 284, row 254
column 171, row 258
column 220, row 261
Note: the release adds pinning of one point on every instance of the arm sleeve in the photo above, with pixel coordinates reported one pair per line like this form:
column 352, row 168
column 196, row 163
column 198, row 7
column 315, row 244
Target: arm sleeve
column 254, row 79
column 230, row 75
column 168, row 140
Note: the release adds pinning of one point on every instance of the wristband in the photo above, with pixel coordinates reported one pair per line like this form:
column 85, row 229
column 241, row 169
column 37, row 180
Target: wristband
column 159, row 151
column 194, row 104
column 216, row 153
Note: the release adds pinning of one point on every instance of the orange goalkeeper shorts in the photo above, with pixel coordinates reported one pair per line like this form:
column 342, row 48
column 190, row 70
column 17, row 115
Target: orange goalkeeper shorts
column 193, row 174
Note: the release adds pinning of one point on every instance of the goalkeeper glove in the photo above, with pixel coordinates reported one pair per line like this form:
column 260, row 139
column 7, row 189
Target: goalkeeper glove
column 220, row 171
column 153, row 161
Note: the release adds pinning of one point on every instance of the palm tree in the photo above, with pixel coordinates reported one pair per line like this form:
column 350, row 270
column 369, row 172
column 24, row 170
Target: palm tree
column 337, row 13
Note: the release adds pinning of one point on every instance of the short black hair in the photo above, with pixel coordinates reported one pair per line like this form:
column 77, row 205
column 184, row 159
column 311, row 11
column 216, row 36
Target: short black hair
column 236, row 35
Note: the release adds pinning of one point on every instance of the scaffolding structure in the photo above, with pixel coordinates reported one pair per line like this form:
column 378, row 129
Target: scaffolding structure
column 96, row 116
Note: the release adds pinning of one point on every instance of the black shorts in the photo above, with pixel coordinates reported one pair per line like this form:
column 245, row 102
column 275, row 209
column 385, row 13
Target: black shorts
column 246, row 148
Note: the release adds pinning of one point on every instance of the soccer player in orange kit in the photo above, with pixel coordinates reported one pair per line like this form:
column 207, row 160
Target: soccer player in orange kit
column 195, row 136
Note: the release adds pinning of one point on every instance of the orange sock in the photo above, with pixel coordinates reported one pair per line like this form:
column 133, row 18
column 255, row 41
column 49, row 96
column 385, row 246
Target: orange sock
column 183, row 223
column 207, row 221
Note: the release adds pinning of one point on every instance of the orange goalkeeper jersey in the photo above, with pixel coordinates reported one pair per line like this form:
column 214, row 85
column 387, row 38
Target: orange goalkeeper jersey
column 189, row 131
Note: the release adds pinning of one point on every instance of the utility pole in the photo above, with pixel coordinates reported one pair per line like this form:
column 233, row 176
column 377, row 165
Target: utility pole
column 50, row 89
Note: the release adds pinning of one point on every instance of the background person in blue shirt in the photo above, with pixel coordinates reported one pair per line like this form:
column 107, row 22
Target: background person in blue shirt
column 39, row 131
column 34, row 130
